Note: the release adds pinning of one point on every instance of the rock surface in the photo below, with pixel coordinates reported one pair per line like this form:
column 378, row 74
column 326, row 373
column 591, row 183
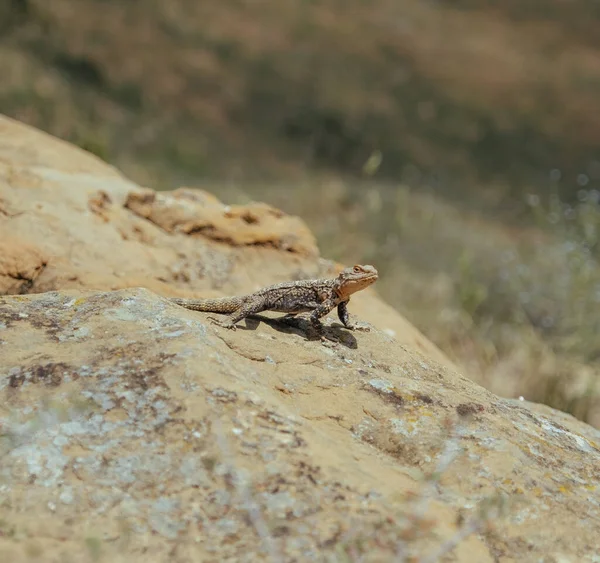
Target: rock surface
column 134, row 430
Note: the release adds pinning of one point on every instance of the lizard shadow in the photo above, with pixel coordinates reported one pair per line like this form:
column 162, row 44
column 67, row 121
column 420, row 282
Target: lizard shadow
column 335, row 333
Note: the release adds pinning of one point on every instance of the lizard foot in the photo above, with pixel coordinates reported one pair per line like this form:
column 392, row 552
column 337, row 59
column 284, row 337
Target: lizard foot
column 359, row 326
column 224, row 324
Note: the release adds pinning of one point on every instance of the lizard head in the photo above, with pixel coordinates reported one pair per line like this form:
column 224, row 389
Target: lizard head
column 351, row 280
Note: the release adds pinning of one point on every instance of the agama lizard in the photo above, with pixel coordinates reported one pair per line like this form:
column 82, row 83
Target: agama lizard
column 318, row 297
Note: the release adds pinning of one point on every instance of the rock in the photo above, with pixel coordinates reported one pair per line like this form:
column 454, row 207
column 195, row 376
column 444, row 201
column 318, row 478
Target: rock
column 92, row 228
column 132, row 429
column 197, row 212
column 20, row 265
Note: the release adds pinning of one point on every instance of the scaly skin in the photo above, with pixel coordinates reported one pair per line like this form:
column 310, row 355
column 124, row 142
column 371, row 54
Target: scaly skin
column 318, row 297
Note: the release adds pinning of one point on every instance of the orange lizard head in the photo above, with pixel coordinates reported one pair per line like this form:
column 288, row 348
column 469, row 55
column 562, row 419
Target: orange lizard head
column 351, row 280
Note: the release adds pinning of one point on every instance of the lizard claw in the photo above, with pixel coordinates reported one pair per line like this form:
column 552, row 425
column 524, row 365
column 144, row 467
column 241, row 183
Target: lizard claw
column 224, row 324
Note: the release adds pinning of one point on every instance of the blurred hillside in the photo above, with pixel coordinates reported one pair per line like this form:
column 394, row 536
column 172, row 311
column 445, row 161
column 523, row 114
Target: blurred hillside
column 456, row 145
column 450, row 93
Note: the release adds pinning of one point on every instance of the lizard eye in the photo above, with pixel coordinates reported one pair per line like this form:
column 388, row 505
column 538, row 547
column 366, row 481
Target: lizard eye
column 356, row 269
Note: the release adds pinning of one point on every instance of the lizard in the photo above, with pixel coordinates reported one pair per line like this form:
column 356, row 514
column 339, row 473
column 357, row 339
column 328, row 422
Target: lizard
column 318, row 297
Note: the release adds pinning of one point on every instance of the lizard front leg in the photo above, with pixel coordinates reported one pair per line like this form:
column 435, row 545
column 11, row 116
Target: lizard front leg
column 320, row 311
column 345, row 317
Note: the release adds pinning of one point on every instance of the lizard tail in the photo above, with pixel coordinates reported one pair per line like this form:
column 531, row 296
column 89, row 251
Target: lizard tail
column 216, row 305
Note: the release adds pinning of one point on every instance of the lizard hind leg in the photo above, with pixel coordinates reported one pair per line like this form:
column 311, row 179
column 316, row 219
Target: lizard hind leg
column 250, row 307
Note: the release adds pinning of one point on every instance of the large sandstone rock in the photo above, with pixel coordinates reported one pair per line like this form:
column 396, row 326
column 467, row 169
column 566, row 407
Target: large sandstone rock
column 134, row 430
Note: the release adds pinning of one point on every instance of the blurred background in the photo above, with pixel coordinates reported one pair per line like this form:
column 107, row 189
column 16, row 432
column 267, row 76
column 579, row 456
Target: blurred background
column 453, row 144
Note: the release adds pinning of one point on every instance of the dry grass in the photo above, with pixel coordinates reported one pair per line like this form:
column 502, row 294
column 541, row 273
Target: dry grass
column 253, row 89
